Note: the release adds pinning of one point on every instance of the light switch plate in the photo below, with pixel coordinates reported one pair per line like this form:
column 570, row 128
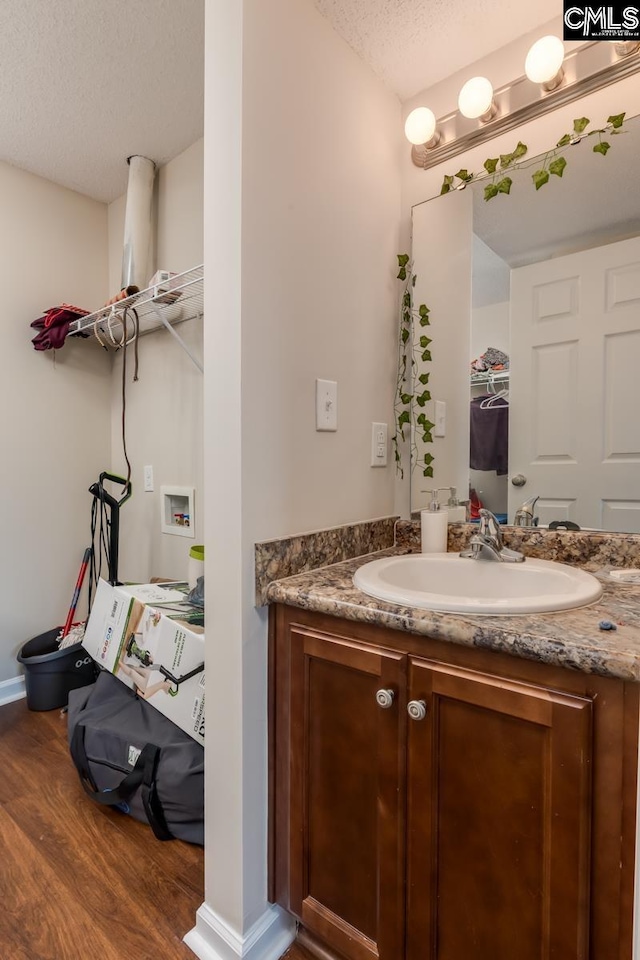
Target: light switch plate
column 326, row 405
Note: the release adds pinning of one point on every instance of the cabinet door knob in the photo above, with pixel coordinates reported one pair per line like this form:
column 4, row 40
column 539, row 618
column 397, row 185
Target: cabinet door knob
column 385, row 698
column 417, row 709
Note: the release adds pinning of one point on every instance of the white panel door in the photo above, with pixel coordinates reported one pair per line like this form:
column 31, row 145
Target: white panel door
column 442, row 245
column 575, row 387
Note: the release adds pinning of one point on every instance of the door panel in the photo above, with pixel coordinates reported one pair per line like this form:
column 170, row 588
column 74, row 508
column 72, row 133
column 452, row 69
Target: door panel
column 498, row 819
column 574, row 386
column 347, row 781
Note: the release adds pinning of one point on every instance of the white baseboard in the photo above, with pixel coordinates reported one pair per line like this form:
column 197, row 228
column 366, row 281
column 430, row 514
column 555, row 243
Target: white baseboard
column 11, row 690
column 267, row 939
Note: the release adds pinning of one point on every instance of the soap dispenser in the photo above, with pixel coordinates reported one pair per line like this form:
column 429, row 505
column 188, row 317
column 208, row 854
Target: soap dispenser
column 457, row 509
column 433, row 526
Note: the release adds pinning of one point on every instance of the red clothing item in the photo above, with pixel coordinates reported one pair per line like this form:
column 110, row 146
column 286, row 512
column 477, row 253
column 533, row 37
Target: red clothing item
column 54, row 326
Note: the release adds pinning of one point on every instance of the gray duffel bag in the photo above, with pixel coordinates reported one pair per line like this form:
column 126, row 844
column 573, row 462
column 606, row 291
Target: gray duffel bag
column 129, row 756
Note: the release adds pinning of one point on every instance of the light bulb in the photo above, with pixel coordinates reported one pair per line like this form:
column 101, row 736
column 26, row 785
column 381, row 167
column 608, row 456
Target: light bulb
column 476, row 99
column 420, row 126
column 544, row 62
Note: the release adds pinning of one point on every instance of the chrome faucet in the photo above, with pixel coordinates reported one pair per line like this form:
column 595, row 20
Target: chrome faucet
column 524, row 514
column 487, row 544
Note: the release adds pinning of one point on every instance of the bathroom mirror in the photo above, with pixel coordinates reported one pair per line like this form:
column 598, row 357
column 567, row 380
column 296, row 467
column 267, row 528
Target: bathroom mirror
column 551, row 279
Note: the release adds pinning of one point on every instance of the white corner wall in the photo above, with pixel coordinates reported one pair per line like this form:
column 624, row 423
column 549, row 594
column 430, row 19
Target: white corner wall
column 164, row 407
column 55, row 422
column 302, row 202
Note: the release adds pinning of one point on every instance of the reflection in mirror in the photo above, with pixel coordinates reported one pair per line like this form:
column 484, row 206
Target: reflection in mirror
column 535, row 300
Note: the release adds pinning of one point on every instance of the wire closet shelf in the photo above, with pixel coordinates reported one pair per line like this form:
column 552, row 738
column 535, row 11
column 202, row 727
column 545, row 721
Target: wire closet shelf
column 179, row 298
column 489, row 377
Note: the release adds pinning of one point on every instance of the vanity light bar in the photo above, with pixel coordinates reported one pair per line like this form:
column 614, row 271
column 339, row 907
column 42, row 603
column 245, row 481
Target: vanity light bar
column 591, row 67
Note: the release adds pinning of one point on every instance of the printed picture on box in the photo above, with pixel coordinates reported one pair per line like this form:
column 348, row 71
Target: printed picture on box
column 136, row 662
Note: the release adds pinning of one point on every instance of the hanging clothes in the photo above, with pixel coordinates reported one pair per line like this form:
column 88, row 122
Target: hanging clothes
column 489, row 435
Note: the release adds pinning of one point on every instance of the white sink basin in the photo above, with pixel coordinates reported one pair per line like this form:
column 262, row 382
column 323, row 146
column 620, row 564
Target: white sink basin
column 454, row 584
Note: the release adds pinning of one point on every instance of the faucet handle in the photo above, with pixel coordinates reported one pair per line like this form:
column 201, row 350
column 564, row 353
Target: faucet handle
column 489, row 526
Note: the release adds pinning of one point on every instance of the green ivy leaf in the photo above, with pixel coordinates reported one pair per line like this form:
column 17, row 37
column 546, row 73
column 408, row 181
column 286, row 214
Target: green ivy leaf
column 616, row 121
column 464, row 175
column 520, row 150
column 580, row 124
column 425, row 341
column 563, row 141
column 406, row 300
column 405, row 335
column 447, row 183
column 402, row 274
column 603, row 147
column 405, row 398
column 421, row 418
column 506, row 159
column 557, row 166
column 490, row 191
column 540, row 177
column 427, row 438
column 427, row 472
column 426, row 355
column 403, row 259
column 428, row 458
column 423, row 310
column 403, row 418
column 427, row 425
column 424, row 321
column 491, row 165
column 422, row 398
column 424, row 378
column 504, row 185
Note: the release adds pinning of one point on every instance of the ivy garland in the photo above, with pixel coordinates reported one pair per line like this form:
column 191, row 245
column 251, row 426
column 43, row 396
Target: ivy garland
column 412, row 355
column 553, row 162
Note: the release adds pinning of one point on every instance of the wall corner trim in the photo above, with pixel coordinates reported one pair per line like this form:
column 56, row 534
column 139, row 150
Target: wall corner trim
column 12, row 689
column 213, row 939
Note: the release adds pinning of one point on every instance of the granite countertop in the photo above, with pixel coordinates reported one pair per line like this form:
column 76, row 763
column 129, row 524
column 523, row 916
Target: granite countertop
column 568, row 638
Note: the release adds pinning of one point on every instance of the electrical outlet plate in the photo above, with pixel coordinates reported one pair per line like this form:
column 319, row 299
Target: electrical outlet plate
column 148, row 479
column 379, row 436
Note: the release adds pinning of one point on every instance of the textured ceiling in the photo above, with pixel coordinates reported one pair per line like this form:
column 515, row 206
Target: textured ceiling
column 87, row 83
column 412, row 44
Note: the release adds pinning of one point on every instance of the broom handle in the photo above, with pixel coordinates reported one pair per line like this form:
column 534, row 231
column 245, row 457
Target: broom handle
column 76, row 592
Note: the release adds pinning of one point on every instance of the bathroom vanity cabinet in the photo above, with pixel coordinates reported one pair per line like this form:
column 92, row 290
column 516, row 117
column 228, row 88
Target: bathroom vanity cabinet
column 431, row 801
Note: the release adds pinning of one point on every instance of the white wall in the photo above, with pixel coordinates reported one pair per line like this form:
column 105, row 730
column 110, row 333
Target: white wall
column 55, row 422
column 489, row 328
column 302, row 203
column 164, row 407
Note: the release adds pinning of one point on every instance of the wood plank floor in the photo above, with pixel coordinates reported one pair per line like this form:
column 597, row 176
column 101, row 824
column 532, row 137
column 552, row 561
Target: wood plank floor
column 77, row 881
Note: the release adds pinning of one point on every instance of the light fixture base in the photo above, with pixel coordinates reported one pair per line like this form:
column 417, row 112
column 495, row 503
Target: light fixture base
column 591, row 67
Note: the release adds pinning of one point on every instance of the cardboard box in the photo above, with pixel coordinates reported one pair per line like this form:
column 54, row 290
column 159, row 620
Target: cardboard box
column 151, row 649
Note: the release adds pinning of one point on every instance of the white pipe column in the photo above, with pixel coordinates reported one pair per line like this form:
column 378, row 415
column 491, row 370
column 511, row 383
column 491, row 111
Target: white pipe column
column 138, row 223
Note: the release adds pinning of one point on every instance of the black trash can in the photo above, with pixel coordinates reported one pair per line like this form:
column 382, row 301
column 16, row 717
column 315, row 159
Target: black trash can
column 50, row 673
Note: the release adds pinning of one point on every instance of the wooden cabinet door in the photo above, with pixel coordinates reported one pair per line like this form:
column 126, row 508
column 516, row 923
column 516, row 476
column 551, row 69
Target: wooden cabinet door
column 499, row 810
column 347, row 793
